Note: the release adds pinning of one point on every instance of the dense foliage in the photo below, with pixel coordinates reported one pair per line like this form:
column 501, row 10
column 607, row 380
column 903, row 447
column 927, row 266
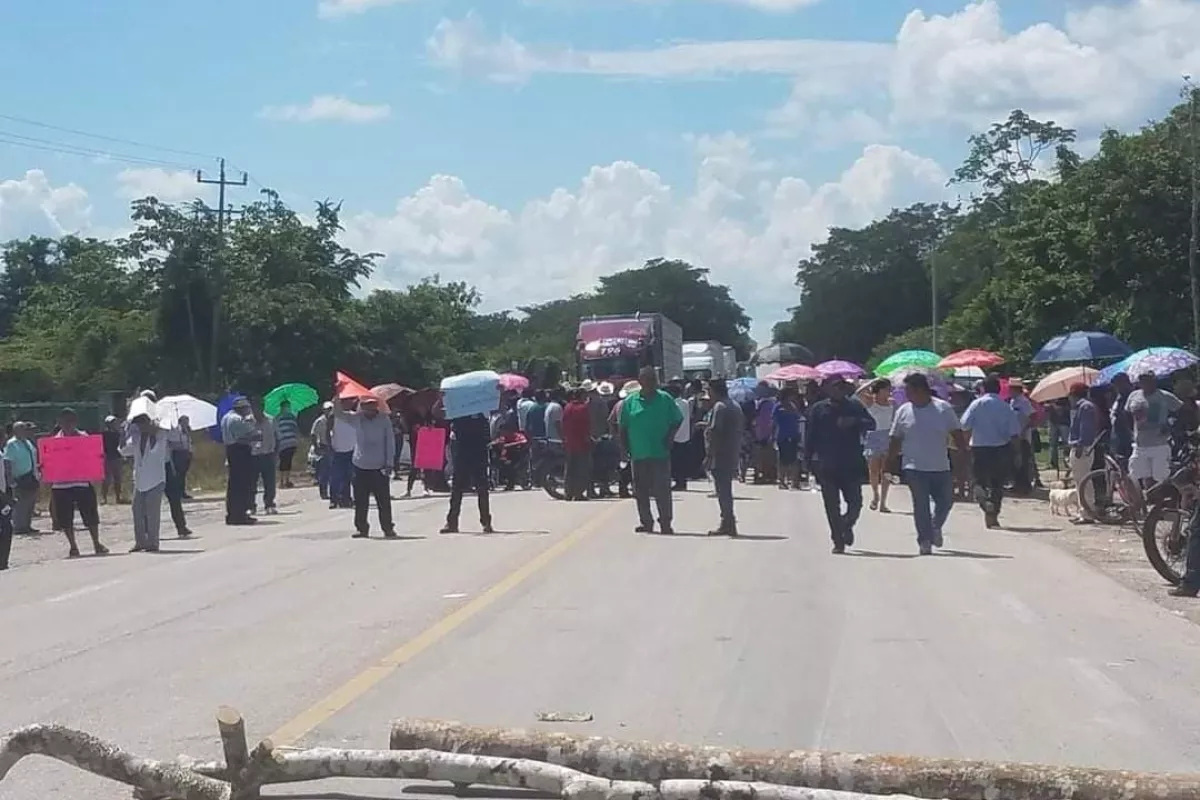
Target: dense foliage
column 1047, row 243
column 81, row 316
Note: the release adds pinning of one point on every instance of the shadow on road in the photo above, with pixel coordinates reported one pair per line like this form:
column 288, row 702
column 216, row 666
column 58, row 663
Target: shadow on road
column 743, row 537
column 1020, row 529
column 942, row 553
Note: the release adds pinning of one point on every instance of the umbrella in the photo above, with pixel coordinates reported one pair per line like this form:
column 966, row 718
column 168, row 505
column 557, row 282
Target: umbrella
column 200, row 414
column 981, row 359
column 969, row 374
column 1081, row 346
column 1162, row 361
column 1057, row 384
column 783, row 353
column 224, row 406
column 386, row 391
column 794, row 372
column 299, row 395
column 511, row 382
column 742, row 389
column 907, row 358
column 347, row 387
column 937, row 381
column 847, row 369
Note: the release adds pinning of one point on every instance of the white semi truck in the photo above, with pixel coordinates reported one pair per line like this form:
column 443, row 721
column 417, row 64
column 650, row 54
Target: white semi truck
column 704, row 361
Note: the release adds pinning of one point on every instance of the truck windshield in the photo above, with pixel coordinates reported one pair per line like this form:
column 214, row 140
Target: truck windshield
column 603, row 369
column 697, row 374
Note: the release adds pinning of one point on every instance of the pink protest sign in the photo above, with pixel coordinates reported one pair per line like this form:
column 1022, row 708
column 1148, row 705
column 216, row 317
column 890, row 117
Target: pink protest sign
column 71, row 459
column 431, row 449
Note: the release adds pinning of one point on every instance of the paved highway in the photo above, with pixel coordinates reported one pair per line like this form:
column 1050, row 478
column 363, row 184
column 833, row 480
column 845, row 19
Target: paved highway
column 1001, row 647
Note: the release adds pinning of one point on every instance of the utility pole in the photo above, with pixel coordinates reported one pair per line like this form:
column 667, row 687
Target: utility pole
column 933, row 302
column 217, row 279
column 1194, row 241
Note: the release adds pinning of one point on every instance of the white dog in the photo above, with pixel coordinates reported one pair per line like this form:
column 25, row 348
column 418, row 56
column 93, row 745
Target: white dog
column 1062, row 501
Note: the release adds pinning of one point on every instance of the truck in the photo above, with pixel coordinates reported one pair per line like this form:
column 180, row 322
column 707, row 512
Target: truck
column 731, row 362
column 614, row 348
column 703, row 360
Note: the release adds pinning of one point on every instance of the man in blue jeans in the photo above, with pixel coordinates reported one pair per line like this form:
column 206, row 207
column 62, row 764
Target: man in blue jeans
column 921, row 432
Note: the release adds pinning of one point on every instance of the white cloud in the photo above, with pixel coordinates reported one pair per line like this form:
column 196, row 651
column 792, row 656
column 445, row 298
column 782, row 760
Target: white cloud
column 466, row 46
column 748, row 229
column 170, row 186
column 32, row 206
column 341, row 8
column 328, row 108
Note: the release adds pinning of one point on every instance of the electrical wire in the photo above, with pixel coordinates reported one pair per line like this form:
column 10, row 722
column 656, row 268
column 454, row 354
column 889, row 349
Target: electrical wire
column 102, row 137
column 33, row 142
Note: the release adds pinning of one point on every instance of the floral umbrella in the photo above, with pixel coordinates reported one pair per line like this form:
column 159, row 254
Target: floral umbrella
column 937, row 382
column 847, row 369
column 907, row 358
column 983, row 359
column 1162, row 361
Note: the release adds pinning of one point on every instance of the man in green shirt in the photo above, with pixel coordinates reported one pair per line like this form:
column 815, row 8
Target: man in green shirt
column 649, row 419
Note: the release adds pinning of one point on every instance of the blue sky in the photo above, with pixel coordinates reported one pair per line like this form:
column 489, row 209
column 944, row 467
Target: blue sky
column 531, row 146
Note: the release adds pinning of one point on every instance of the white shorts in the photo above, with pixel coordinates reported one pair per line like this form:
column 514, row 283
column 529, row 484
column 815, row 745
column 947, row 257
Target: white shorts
column 1150, row 463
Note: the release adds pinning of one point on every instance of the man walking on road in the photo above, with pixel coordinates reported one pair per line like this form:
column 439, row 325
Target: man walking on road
column 723, row 450
column 649, row 420
column 995, row 428
column 239, row 433
column 373, row 457
column 920, row 435
column 1081, row 439
column 834, row 449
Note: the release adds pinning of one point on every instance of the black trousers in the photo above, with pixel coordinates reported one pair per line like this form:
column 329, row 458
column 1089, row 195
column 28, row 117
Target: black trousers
column 6, row 528
column 370, row 483
column 239, row 487
column 174, row 492
column 467, row 472
column 843, row 483
column 681, row 463
column 1023, row 478
column 989, row 468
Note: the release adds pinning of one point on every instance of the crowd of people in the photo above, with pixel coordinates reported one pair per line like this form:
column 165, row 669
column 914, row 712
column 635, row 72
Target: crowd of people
column 648, row 440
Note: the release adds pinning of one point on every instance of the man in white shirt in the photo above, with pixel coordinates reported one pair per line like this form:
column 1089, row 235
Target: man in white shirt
column 342, row 438
column 920, row 434
column 147, row 446
column 681, row 449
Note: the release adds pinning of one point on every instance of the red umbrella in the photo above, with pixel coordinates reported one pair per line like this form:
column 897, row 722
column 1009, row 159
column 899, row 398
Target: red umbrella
column 971, row 358
column 794, row 372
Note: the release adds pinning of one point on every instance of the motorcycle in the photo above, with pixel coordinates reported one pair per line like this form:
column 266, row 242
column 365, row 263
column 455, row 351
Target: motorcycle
column 1164, row 529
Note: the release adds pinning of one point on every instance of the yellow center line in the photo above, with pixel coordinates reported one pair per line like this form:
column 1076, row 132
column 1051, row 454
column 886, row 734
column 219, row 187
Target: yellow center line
column 353, row 689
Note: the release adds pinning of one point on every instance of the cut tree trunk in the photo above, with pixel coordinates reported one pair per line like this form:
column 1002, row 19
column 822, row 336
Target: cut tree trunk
column 152, row 778
column 654, row 762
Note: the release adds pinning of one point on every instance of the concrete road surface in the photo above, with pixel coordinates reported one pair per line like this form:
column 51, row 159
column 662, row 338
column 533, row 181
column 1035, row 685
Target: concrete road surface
column 1000, row 647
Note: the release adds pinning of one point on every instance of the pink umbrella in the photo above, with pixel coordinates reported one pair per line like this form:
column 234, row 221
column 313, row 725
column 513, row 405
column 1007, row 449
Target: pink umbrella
column 794, row 372
column 511, row 382
column 847, row 369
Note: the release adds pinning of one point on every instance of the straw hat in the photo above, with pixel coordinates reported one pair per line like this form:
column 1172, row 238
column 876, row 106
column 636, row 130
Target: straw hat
column 629, row 388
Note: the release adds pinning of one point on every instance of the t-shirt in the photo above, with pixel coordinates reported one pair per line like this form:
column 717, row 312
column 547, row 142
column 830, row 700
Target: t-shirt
column 112, row 443
column 787, row 424
column 924, row 430
column 535, row 421
column 684, row 434
column 554, row 415
column 647, row 423
column 726, row 426
column 1150, row 412
column 883, row 416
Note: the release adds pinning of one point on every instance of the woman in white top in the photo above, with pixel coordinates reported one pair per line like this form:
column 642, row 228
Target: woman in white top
column 147, row 445
column 878, row 400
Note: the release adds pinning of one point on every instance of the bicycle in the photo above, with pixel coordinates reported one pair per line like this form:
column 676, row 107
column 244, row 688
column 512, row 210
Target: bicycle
column 1096, row 491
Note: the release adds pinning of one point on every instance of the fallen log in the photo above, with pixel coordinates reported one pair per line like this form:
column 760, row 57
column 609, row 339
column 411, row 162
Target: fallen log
column 655, row 762
column 152, row 778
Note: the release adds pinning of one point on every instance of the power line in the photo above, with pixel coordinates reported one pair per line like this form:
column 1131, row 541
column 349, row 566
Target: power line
column 102, row 137
column 36, row 143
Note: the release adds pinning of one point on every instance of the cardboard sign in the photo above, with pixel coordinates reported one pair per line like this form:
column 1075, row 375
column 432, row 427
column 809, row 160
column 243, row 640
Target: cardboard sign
column 431, row 449
column 71, row 459
column 470, row 394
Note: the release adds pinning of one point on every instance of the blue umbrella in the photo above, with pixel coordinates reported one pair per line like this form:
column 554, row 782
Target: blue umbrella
column 1162, row 361
column 1081, row 346
column 742, row 389
column 224, row 406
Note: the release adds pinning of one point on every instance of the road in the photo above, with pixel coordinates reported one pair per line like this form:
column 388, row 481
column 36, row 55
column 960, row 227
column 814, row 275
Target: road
column 1002, row 647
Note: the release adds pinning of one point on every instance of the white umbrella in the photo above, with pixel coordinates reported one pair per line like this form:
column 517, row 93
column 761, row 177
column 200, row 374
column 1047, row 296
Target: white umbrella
column 200, row 414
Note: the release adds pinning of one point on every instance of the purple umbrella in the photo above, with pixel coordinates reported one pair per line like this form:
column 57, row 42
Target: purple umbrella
column 1162, row 361
column 847, row 369
column 937, row 382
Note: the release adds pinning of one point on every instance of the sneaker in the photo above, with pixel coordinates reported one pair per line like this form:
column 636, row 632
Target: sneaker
column 839, row 549
column 137, row 548
column 73, row 552
column 488, row 528
column 667, row 530
column 449, row 529
column 184, row 533
column 1183, row 591
column 272, row 511
column 390, row 535
column 644, row 529
column 926, row 549
column 360, row 535
column 938, row 541
column 100, row 549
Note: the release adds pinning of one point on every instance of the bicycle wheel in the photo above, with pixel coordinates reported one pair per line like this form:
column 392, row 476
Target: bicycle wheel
column 1164, row 537
column 1098, row 499
column 553, row 483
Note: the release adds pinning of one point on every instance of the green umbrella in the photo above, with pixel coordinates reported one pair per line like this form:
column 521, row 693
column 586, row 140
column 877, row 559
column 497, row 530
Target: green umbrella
column 300, row 395
column 907, row 358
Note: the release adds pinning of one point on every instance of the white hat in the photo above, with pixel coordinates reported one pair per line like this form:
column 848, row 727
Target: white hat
column 328, row 405
column 629, row 388
column 109, row 418
column 149, row 395
column 605, row 389
column 587, row 386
